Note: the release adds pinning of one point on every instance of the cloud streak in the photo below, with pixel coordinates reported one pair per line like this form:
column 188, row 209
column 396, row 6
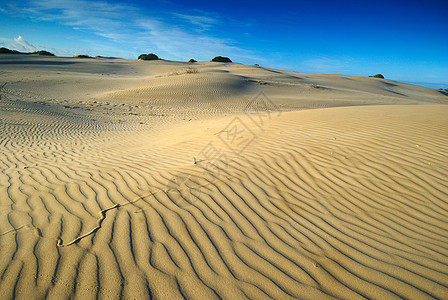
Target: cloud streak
column 323, row 64
column 203, row 22
column 172, row 35
column 18, row 43
column 23, row 45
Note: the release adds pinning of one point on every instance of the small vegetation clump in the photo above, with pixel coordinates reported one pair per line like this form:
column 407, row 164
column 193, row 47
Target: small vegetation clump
column 180, row 72
column 83, row 56
column 43, row 52
column 150, row 56
column 378, row 76
column 444, row 91
column 221, row 59
column 191, row 71
column 192, row 60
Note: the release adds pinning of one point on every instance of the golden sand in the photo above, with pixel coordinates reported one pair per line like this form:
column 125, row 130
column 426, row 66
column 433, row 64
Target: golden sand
column 171, row 180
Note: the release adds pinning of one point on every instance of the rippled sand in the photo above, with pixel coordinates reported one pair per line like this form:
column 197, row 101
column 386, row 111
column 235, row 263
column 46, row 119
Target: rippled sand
column 146, row 179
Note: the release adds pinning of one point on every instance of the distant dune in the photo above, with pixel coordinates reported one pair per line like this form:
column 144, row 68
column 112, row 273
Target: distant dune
column 140, row 179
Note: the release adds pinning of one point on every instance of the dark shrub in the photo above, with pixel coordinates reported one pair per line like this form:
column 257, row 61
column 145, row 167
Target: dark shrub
column 150, row 56
column 6, row 50
column 378, row 76
column 83, row 56
column 43, row 52
column 192, row 60
column 221, row 59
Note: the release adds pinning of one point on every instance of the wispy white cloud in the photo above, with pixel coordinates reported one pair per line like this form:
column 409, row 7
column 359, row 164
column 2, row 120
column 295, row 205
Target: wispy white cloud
column 323, row 64
column 203, row 22
column 102, row 18
column 23, row 45
column 172, row 35
column 179, row 44
column 18, row 43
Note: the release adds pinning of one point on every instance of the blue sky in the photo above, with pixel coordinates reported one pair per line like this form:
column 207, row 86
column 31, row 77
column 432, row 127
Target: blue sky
column 404, row 40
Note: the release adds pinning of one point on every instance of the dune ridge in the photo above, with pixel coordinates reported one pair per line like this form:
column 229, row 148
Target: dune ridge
column 342, row 202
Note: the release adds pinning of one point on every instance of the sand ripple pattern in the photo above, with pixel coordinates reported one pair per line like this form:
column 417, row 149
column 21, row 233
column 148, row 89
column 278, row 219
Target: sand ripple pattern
column 314, row 208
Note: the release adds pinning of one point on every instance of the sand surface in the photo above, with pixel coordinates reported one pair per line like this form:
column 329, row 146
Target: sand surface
column 169, row 180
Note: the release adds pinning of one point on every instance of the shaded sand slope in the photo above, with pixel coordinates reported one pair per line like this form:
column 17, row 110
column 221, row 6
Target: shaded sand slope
column 210, row 88
column 342, row 202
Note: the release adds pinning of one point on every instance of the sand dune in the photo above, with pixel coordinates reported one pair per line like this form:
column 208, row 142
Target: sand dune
column 155, row 181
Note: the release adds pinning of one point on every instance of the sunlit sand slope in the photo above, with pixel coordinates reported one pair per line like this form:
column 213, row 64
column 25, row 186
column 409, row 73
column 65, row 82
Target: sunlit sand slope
column 347, row 202
column 180, row 90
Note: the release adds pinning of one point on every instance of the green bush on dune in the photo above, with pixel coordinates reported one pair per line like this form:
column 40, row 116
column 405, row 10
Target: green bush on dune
column 150, row 56
column 221, row 59
column 192, row 60
column 83, row 56
column 43, row 52
column 378, row 76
